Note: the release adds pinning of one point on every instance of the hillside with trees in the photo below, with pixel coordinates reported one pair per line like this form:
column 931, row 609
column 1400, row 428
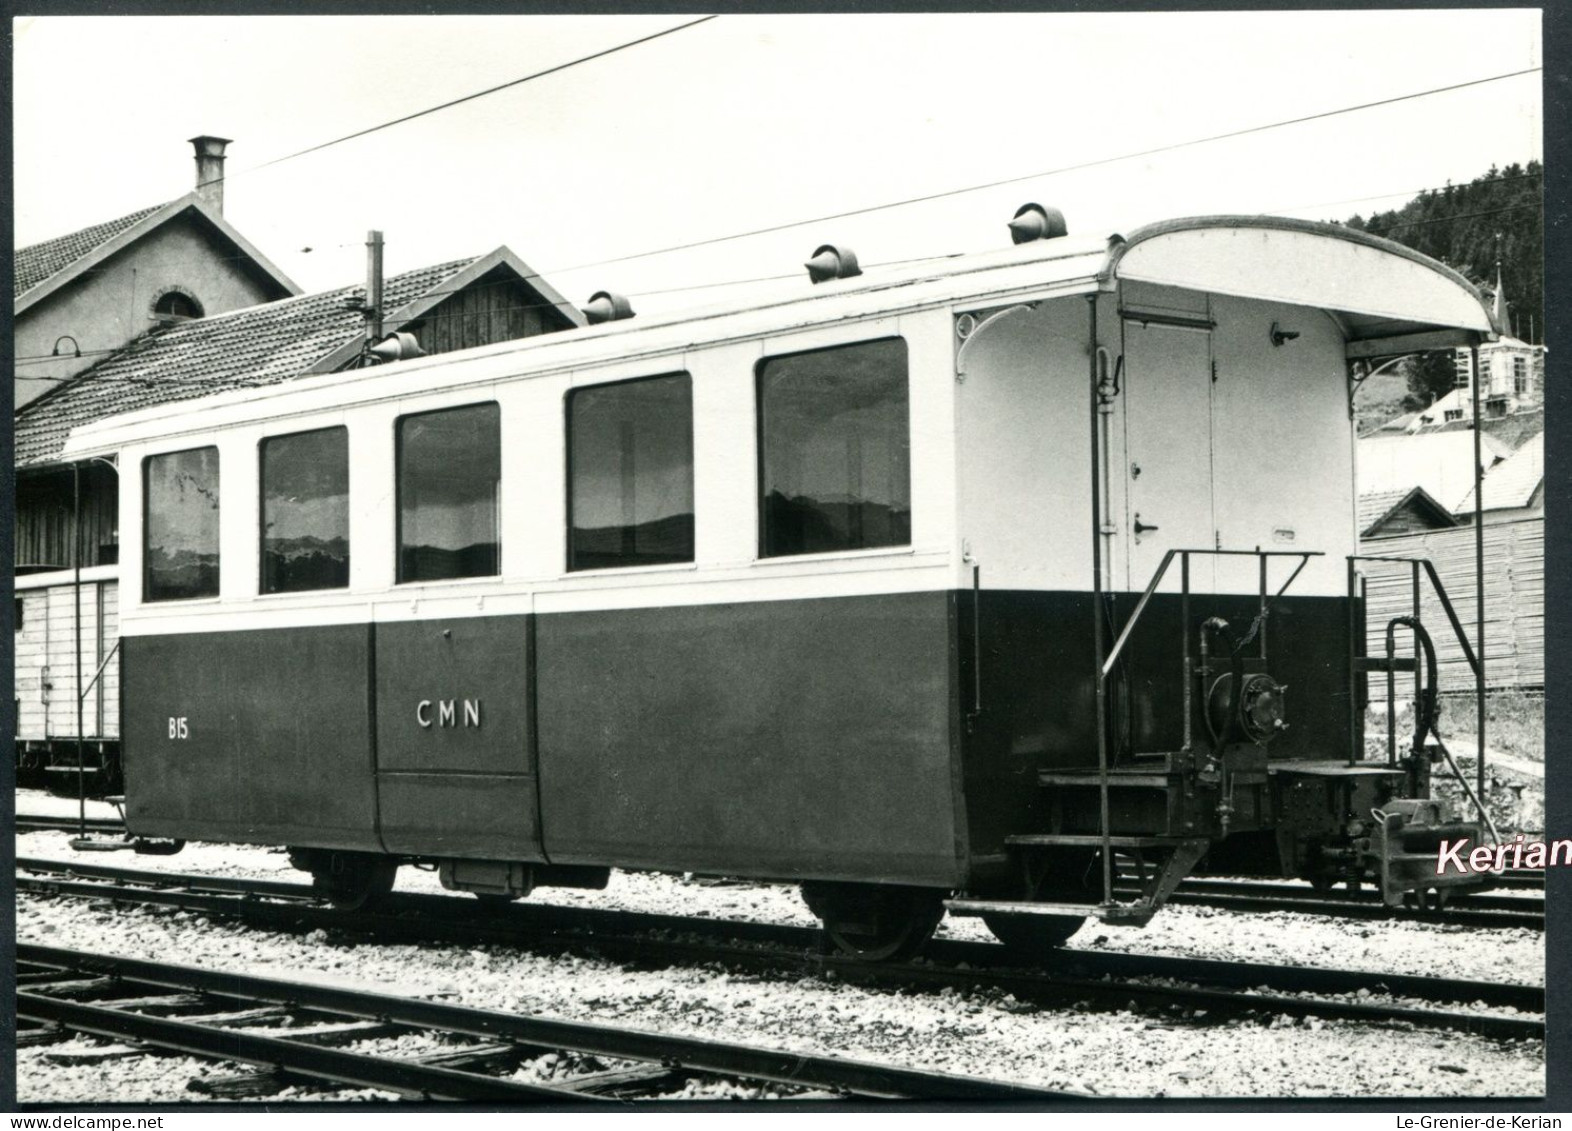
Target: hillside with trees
column 1467, row 227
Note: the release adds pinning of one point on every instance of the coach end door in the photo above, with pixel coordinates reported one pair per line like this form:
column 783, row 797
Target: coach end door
column 1168, row 450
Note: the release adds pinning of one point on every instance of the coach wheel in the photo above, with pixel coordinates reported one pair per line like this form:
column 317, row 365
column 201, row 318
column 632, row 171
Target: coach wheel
column 1032, row 936
column 875, row 923
column 353, row 882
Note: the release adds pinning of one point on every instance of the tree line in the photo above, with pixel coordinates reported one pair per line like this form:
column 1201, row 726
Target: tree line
column 1498, row 215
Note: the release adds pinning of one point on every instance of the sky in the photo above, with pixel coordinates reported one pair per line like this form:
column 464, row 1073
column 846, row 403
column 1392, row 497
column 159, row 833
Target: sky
column 750, row 121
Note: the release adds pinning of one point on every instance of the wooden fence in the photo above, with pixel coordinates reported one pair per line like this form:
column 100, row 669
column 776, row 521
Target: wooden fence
column 1514, row 602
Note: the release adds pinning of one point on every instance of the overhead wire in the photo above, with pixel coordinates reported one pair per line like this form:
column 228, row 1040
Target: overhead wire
column 477, row 94
column 1447, row 219
column 1409, row 192
column 150, row 381
column 711, row 241
column 1412, row 192
column 775, row 278
column 219, row 181
column 943, row 194
column 946, row 193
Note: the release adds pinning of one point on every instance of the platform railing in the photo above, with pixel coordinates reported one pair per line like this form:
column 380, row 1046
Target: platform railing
column 1475, row 664
column 1106, row 664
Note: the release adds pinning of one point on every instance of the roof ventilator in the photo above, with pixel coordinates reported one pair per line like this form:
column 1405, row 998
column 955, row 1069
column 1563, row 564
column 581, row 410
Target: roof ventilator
column 1035, row 222
column 607, row 306
column 397, row 346
column 831, row 262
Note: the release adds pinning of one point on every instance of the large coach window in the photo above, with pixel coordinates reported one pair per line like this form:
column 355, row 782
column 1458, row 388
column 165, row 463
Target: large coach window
column 449, row 464
column 305, row 511
column 180, row 534
column 835, row 449
column 630, row 494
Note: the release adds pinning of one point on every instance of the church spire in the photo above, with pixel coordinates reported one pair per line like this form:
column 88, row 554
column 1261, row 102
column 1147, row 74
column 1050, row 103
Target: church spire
column 1499, row 308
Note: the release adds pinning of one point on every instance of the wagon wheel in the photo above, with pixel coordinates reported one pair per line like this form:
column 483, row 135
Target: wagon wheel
column 355, row 882
column 875, row 923
column 1064, row 876
column 1032, row 936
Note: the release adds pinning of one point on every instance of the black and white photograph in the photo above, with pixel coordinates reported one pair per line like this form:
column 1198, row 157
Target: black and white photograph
column 655, row 560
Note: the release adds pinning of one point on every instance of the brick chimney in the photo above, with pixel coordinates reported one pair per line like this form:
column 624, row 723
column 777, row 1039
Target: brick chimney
column 210, row 169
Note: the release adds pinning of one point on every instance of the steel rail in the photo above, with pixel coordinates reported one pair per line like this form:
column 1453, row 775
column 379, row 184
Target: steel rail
column 1483, row 910
column 28, row 822
column 1195, row 890
column 189, row 881
column 536, row 917
column 406, row 1077
column 1082, row 977
column 1332, row 907
column 440, row 911
column 778, row 1066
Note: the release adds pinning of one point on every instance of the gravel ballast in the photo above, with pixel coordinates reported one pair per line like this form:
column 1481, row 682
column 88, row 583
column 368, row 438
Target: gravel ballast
column 984, row 1033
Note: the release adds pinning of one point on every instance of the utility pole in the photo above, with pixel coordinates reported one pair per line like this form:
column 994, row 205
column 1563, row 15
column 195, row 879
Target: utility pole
column 373, row 287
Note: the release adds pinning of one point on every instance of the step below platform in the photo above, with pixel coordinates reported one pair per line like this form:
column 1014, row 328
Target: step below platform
column 1092, row 840
column 1121, row 914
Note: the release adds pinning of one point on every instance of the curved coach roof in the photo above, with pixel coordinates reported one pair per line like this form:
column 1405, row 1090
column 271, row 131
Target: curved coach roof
column 1387, row 298
column 1381, row 289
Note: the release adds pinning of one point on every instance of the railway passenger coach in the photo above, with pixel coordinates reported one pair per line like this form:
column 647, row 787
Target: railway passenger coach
column 1019, row 583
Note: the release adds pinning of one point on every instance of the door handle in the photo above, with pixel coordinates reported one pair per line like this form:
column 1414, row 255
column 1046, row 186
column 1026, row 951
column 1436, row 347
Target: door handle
column 1141, row 527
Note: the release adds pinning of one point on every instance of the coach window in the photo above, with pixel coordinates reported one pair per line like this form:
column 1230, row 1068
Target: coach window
column 449, row 467
column 305, row 511
column 835, row 449
column 630, row 473
column 180, row 540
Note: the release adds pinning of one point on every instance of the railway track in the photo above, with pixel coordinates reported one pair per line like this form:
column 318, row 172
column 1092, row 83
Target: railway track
column 292, row 1032
column 1489, row 909
column 1486, row 910
column 30, row 823
column 1513, row 879
column 1201, row 990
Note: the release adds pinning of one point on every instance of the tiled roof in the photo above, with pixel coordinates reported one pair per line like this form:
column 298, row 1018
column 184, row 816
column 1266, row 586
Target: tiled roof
column 261, row 345
column 37, row 263
column 1514, row 429
column 1440, row 462
column 1512, row 482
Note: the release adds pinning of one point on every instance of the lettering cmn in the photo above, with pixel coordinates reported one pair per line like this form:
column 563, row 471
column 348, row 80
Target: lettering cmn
column 447, row 713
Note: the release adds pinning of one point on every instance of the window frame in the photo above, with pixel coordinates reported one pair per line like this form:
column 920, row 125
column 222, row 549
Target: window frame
column 567, row 448
column 170, row 318
column 147, row 505
column 398, row 494
column 262, row 590
column 760, row 552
